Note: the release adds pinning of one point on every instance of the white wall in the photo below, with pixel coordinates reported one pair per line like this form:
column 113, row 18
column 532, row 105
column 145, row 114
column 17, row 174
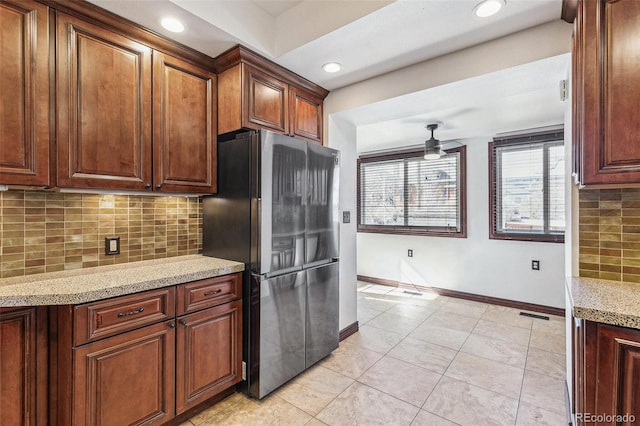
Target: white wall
column 343, row 136
column 474, row 264
column 526, row 46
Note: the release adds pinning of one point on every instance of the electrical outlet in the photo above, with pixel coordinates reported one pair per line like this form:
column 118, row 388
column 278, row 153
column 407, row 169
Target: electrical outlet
column 410, row 253
column 346, row 217
column 535, row 265
column 111, row 245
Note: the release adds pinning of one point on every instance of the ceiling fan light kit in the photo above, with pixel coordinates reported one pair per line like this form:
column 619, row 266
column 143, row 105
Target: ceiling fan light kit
column 432, row 148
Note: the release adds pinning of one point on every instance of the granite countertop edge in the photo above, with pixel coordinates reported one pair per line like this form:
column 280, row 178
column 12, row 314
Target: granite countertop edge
column 605, row 301
column 91, row 284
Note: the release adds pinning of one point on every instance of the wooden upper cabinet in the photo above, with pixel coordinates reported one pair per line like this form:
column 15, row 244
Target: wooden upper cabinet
column 255, row 93
column 266, row 99
column 608, row 95
column 184, row 138
column 103, row 108
column 24, row 87
column 250, row 98
column 305, row 110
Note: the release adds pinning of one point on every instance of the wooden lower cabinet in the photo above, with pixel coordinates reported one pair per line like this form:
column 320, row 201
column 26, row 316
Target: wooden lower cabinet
column 126, row 379
column 23, row 366
column 606, row 374
column 208, row 354
column 132, row 360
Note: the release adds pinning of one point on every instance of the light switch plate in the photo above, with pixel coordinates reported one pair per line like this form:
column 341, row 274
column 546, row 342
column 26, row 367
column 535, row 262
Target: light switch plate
column 346, row 217
column 111, row 245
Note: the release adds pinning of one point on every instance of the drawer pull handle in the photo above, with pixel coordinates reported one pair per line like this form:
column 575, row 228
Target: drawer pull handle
column 211, row 293
column 126, row 314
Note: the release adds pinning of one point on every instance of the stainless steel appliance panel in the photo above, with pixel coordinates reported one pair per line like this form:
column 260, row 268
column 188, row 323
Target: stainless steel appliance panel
column 226, row 225
column 323, row 215
column 322, row 328
column 283, row 199
column 282, row 330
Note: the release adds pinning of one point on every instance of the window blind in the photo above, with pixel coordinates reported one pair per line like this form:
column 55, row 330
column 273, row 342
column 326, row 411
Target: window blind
column 528, row 188
column 411, row 193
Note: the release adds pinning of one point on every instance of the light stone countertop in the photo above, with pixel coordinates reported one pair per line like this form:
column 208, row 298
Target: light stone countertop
column 90, row 284
column 609, row 302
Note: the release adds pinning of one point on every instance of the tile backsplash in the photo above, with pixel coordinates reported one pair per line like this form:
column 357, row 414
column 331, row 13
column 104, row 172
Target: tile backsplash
column 49, row 231
column 609, row 234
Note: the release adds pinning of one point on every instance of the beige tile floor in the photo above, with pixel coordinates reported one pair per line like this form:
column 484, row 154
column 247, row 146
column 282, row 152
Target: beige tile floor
column 422, row 360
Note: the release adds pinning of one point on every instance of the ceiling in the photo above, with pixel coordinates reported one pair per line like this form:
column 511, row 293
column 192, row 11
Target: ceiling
column 374, row 37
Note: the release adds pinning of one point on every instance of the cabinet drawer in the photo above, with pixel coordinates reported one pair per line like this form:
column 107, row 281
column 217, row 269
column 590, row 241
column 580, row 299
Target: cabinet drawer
column 104, row 318
column 210, row 292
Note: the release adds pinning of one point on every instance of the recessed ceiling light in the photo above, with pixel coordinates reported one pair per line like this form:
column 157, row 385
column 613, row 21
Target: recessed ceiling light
column 488, row 8
column 332, row 67
column 172, row 24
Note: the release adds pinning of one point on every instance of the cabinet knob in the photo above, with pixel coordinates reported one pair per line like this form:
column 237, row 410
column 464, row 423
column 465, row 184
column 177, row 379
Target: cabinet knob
column 158, row 186
column 147, row 186
column 183, row 322
column 172, row 325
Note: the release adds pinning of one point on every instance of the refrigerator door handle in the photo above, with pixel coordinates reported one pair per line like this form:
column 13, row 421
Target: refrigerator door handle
column 280, row 272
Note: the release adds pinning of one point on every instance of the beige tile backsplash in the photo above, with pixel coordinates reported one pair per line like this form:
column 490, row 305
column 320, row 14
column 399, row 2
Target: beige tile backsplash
column 49, row 231
column 609, row 234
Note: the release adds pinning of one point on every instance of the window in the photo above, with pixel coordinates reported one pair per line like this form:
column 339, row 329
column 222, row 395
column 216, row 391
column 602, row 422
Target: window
column 526, row 178
column 402, row 193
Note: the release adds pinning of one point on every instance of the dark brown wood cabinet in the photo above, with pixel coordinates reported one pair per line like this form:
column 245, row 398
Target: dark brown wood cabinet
column 305, row 115
column 103, row 108
column 606, row 93
column 184, row 137
column 126, row 379
column 255, row 93
column 23, row 366
column 107, row 95
column 25, row 79
column 208, row 353
column 606, row 373
column 147, row 357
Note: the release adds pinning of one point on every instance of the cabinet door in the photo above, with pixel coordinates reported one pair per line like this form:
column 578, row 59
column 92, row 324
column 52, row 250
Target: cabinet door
column 618, row 371
column 266, row 101
column 306, row 115
column 24, row 89
column 127, row 379
column 103, row 108
column 610, row 92
column 184, row 139
column 23, row 367
column 208, row 353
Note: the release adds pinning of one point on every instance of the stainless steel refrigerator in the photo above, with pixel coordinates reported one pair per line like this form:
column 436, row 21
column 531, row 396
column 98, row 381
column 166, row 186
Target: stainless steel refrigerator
column 277, row 211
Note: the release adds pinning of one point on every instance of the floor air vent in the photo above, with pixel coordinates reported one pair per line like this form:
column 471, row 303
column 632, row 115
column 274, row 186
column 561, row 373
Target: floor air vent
column 527, row 314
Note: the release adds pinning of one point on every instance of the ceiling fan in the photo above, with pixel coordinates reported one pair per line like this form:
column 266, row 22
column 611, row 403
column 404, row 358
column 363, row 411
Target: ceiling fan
column 433, row 147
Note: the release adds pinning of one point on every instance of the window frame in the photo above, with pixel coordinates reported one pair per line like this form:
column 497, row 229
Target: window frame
column 416, row 230
column 540, row 138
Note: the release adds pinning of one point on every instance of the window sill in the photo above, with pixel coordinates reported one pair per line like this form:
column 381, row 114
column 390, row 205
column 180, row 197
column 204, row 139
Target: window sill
column 408, row 230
